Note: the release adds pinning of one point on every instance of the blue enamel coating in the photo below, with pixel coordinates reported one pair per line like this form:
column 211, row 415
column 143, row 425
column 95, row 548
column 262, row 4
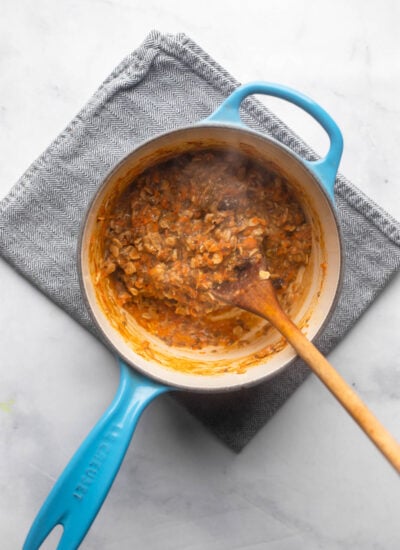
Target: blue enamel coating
column 81, row 489
column 79, row 493
column 325, row 169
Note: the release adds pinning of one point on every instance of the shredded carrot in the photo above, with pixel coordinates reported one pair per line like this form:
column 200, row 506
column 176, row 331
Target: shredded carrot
column 190, row 223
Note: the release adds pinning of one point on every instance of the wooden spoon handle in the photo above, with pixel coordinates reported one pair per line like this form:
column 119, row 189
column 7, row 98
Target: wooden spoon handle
column 378, row 434
column 257, row 295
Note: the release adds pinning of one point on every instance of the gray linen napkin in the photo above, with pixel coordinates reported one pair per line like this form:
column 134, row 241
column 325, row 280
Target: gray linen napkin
column 170, row 82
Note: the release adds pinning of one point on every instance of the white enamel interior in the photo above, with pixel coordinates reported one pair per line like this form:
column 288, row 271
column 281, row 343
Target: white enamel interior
column 325, row 280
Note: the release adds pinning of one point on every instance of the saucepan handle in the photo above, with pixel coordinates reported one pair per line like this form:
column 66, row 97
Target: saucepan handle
column 77, row 496
column 326, row 168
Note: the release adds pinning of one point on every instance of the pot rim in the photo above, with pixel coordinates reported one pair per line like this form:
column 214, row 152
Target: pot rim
column 102, row 186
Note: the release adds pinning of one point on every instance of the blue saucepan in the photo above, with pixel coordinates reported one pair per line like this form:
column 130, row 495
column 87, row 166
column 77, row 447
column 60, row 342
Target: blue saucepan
column 81, row 489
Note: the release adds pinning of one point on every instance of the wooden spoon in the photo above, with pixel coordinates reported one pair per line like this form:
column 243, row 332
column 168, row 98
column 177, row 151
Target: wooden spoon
column 254, row 292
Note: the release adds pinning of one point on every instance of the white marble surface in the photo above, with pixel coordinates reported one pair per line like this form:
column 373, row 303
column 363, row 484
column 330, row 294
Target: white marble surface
column 310, row 479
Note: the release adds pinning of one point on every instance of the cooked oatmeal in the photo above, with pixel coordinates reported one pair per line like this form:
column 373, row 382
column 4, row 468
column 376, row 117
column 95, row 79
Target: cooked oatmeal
column 188, row 224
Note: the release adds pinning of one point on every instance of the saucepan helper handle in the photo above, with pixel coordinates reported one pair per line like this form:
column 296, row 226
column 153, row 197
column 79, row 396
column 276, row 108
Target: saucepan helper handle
column 326, row 168
column 77, row 496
